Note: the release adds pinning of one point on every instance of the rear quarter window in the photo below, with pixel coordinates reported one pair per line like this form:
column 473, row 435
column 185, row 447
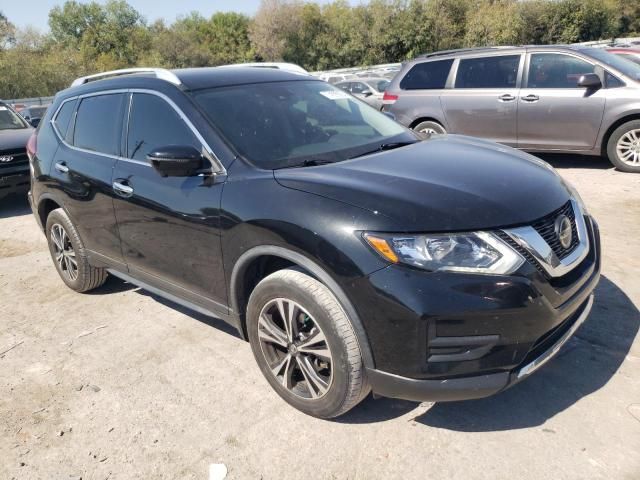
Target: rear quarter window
column 427, row 75
column 62, row 119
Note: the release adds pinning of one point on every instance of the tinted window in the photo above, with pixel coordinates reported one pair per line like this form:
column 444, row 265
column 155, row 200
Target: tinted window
column 154, row 123
column 550, row 70
column 427, row 75
column 98, row 124
column 63, row 117
column 282, row 124
column 613, row 81
column 628, row 68
column 629, row 57
column 344, row 86
column 488, row 72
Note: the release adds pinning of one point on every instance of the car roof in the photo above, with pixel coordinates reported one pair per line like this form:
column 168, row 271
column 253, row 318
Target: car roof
column 186, row 79
column 498, row 49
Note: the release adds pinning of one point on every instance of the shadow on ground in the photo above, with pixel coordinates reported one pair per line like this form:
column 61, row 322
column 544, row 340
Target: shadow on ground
column 566, row 160
column 584, row 365
column 14, row 205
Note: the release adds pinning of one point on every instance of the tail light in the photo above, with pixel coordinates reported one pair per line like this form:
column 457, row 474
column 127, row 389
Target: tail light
column 32, row 146
column 389, row 99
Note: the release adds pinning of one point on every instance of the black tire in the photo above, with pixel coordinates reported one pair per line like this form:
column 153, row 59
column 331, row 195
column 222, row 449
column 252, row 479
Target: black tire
column 348, row 385
column 86, row 277
column 630, row 128
column 428, row 128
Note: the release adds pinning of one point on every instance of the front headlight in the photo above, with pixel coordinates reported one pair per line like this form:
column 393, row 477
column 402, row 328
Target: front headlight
column 476, row 252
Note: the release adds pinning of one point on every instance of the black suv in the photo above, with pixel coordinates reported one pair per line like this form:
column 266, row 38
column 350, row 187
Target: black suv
column 352, row 255
column 14, row 164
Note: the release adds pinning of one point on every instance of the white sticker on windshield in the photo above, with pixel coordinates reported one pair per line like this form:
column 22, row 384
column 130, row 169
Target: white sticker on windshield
column 2, row 108
column 335, row 94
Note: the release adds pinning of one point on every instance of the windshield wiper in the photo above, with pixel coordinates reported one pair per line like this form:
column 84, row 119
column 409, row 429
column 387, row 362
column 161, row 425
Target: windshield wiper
column 310, row 162
column 387, row 146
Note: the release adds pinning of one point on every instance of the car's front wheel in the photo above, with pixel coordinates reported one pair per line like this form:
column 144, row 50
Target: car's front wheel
column 305, row 345
column 429, row 128
column 623, row 148
column 69, row 255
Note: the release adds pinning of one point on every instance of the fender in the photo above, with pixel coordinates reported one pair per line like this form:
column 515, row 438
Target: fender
column 41, row 199
column 318, row 272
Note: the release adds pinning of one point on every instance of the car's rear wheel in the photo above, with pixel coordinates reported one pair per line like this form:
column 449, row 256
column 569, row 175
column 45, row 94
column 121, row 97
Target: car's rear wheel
column 69, row 255
column 429, row 128
column 623, row 148
column 305, row 345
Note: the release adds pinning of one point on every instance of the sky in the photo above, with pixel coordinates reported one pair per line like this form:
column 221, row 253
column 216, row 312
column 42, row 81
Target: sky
column 36, row 12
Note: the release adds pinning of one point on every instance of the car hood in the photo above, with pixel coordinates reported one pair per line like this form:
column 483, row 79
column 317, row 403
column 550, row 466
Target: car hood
column 448, row 183
column 14, row 139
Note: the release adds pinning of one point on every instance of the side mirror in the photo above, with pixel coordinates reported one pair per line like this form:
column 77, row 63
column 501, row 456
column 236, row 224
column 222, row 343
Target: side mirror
column 590, row 81
column 34, row 122
column 366, row 93
column 390, row 115
column 176, row 160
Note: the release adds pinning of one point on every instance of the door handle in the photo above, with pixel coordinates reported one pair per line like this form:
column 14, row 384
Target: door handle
column 507, row 97
column 62, row 167
column 122, row 189
column 530, row 98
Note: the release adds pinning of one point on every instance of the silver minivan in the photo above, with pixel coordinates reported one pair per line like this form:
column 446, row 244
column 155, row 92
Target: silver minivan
column 536, row 98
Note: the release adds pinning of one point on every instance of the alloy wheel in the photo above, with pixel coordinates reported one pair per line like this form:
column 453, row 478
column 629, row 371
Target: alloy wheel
column 628, row 147
column 64, row 254
column 295, row 349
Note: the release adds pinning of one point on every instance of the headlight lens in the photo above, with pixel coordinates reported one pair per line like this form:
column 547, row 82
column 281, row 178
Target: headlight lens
column 476, row 252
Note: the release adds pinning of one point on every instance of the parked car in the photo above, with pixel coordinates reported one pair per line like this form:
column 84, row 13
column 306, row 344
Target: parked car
column 544, row 99
column 351, row 254
column 14, row 164
column 632, row 54
column 33, row 114
column 370, row 90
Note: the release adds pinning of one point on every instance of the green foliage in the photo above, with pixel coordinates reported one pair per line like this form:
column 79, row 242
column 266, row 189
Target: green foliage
column 89, row 37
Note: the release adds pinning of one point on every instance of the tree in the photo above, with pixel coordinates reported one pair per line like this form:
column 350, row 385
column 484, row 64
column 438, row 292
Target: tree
column 7, row 32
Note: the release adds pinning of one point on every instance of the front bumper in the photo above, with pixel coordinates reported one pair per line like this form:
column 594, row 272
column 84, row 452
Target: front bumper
column 467, row 388
column 14, row 182
column 452, row 336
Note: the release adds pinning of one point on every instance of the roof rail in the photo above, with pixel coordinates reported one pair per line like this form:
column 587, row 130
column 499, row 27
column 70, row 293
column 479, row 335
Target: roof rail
column 463, row 50
column 160, row 73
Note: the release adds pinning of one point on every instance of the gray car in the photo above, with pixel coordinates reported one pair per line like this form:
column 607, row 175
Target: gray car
column 536, row 98
column 371, row 90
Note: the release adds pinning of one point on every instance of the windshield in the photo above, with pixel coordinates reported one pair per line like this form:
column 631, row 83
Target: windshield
column 279, row 125
column 9, row 120
column 624, row 66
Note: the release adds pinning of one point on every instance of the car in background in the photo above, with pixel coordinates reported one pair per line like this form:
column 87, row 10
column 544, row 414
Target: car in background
column 371, row 90
column 14, row 164
column 33, row 114
column 536, row 98
column 632, row 54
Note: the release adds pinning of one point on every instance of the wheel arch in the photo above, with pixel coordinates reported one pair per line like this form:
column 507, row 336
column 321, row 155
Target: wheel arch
column 609, row 131
column 46, row 205
column 417, row 121
column 267, row 259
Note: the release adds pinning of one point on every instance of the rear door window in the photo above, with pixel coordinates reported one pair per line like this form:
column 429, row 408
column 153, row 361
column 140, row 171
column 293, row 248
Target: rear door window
column 98, row 123
column 427, row 75
column 153, row 123
column 488, row 72
column 554, row 70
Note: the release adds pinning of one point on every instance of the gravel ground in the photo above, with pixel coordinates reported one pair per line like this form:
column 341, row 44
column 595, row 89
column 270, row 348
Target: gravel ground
column 120, row 384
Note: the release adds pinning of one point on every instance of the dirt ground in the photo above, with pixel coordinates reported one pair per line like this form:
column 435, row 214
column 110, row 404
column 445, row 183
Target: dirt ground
column 119, row 384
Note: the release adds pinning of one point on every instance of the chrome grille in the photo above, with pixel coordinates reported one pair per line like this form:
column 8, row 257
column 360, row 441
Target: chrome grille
column 19, row 158
column 546, row 228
